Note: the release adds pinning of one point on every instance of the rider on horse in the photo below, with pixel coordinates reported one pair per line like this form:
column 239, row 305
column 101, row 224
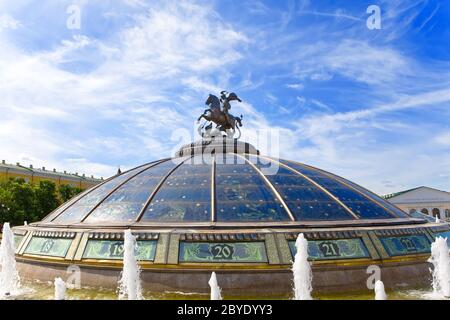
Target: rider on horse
column 218, row 113
column 225, row 99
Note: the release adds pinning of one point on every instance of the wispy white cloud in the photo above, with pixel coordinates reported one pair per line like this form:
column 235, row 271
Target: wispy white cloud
column 91, row 103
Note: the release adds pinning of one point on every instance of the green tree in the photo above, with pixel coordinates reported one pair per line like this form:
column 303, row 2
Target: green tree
column 46, row 199
column 18, row 196
column 22, row 201
column 66, row 192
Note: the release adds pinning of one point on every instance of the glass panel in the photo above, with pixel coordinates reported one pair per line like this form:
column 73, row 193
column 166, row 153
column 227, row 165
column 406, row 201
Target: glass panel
column 55, row 247
column 374, row 197
column 333, row 249
column 126, row 203
column 184, row 196
column 306, row 201
column 360, row 205
column 113, row 250
column 398, row 246
column 62, row 207
column 78, row 210
column 242, row 194
column 222, row 252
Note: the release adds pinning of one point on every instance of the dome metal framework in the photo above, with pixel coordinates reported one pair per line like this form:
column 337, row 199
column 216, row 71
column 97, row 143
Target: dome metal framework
column 226, row 188
column 220, row 205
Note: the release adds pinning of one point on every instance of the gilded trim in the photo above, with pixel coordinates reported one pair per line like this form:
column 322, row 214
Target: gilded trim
column 73, row 247
column 81, row 246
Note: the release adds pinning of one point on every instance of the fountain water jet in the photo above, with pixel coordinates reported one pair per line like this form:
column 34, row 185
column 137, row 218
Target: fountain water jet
column 301, row 269
column 9, row 276
column 60, row 289
column 380, row 293
column 215, row 289
column 441, row 266
column 130, row 282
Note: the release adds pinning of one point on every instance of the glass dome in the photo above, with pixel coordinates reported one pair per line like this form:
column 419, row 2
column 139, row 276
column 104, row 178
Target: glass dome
column 225, row 188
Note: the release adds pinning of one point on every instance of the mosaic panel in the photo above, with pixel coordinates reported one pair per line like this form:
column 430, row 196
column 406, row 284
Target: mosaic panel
column 113, row 250
column 54, row 247
column 398, row 246
column 333, row 249
column 222, row 252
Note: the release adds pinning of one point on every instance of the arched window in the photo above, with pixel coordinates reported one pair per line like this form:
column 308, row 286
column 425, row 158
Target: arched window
column 436, row 213
column 424, row 211
column 447, row 213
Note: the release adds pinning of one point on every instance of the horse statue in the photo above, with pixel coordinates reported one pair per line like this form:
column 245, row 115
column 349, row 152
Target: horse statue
column 225, row 122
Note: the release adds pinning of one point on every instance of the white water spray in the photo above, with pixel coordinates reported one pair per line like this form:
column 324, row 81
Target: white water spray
column 302, row 270
column 9, row 277
column 60, row 289
column 437, row 219
column 215, row 289
column 380, row 293
column 130, row 282
column 441, row 266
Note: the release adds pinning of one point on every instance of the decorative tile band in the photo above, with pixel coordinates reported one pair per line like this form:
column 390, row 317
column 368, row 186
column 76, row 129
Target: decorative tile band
column 113, row 250
column 231, row 252
column 119, row 236
column 222, row 237
column 440, row 228
column 399, row 232
column 333, row 249
column 48, row 246
column 54, row 234
column 325, row 235
column 404, row 245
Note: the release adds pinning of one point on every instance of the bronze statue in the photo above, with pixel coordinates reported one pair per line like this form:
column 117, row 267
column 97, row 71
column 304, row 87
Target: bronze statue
column 218, row 113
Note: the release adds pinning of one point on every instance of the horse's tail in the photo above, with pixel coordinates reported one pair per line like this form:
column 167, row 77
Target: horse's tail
column 239, row 130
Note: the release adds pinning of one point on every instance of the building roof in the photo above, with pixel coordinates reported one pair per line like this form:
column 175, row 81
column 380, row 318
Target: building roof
column 391, row 195
column 43, row 172
column 395, row 194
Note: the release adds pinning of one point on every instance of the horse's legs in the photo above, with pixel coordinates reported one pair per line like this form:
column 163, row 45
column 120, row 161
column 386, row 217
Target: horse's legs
column 202, row 116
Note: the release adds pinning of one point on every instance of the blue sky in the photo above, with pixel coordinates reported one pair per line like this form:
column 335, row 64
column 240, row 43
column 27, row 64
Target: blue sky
column 370, row 105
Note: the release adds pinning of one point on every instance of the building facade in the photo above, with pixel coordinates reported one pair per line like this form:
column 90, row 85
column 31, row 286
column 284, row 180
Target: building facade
column 430, row 201
column 35, row 175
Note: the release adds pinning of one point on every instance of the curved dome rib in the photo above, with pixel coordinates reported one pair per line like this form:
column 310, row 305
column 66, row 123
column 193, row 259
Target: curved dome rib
column 120, row 185
column 158, row 186
column 333, row 197
column 89, row 191
column 342, row 183
column 274, row 190
column 351, row 185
